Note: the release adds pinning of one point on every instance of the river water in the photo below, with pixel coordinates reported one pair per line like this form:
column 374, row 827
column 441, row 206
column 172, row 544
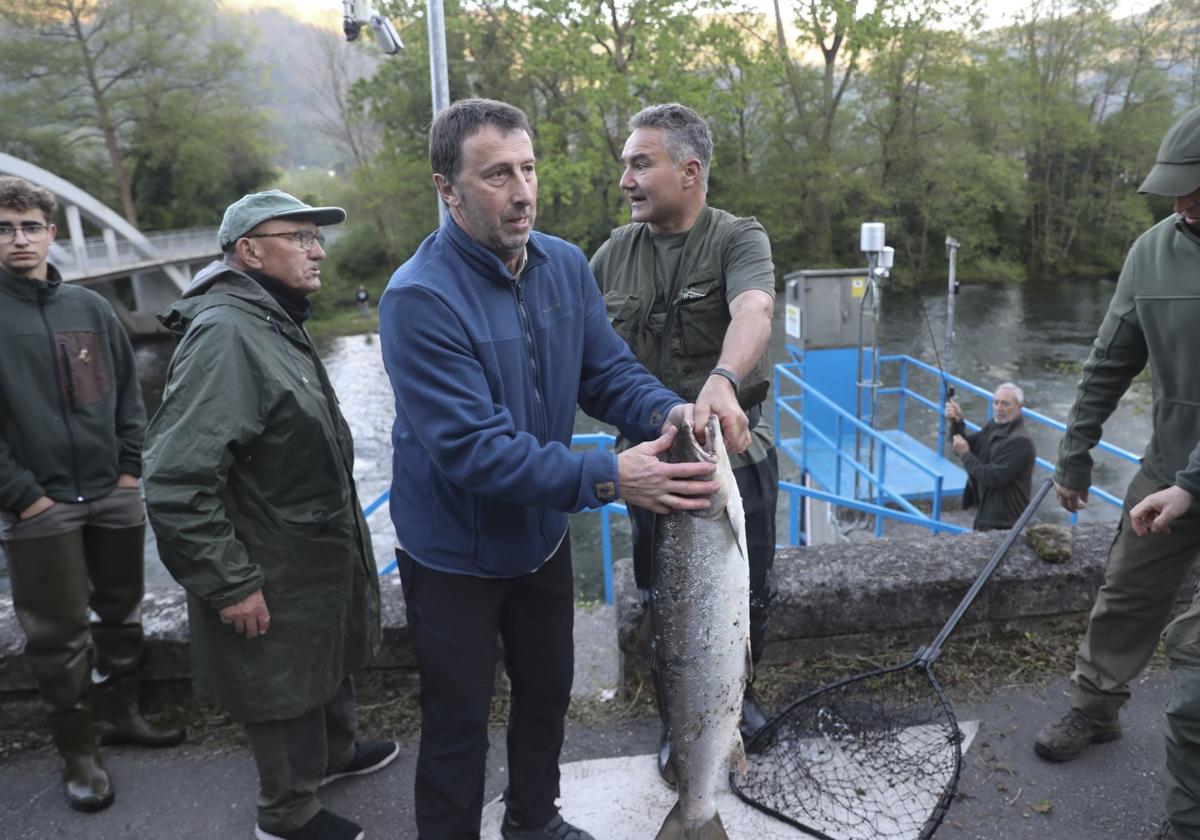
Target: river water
column 1036, row 335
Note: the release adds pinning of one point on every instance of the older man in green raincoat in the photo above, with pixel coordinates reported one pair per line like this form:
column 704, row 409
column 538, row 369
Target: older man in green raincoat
column 250, row 489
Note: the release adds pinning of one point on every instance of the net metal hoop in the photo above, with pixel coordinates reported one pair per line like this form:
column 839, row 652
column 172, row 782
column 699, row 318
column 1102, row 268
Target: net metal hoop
column 758, row 747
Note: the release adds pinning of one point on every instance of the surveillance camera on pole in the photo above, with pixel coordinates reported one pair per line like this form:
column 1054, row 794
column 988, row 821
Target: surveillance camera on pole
column 357, row 12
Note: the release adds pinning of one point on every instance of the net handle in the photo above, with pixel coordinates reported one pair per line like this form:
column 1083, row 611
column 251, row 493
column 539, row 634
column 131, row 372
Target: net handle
column 927, row 655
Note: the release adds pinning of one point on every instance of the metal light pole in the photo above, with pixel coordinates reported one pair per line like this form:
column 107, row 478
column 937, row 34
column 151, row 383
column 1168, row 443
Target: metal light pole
column 439, row 78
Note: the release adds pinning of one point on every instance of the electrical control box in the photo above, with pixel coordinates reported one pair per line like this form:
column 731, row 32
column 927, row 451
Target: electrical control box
column 821, row 308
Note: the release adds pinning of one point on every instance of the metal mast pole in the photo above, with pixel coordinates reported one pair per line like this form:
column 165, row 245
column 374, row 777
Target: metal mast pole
column 439, row 78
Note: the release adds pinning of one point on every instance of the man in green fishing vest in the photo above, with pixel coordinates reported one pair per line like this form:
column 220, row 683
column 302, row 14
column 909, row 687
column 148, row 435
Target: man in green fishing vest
column 1151, row 320
column 692, row 289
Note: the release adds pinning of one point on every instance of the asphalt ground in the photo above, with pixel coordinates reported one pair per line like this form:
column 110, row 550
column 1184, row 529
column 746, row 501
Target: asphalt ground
column 1006, row 793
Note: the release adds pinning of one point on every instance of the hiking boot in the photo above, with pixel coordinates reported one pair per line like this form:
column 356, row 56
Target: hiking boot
column 556, row 829
column 368, row 757
column 665, row 768
column 1066, row 739
column 754, row 720
column 326, row 825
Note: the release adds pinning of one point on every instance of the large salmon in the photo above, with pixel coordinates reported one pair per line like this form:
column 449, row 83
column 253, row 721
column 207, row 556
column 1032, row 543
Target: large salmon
column 702, row 639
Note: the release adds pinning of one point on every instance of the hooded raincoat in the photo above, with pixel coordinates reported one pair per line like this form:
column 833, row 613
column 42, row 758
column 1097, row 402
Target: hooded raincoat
column 249, row 485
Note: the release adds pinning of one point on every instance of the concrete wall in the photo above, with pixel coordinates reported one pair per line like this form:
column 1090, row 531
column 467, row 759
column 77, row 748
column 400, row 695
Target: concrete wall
column 824, row 592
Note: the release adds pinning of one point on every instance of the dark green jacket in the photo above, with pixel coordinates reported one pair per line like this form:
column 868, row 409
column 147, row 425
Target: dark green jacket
column 71, row 414
column 1154, row 317
column 697, row 309
column 249, row 484
column 999, row 466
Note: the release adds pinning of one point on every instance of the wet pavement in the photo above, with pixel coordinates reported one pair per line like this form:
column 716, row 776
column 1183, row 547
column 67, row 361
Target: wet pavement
column 1007, row 793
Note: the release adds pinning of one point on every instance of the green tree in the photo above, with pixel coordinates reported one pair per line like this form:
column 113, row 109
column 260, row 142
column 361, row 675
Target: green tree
column 104, row 75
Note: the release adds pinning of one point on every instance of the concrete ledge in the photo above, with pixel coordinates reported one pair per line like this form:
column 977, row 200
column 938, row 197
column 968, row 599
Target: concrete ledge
column 824, row 592
column 832, row 591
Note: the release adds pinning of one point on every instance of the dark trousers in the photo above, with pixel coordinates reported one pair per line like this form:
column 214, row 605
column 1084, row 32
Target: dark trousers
column 453, row 622
column 759, row 486
column 293, row 755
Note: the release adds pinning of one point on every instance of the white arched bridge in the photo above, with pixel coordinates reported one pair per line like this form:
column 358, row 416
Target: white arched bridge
column 140, row 274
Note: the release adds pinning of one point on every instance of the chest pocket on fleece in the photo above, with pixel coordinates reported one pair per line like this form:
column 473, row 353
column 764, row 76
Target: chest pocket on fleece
column 83, row 373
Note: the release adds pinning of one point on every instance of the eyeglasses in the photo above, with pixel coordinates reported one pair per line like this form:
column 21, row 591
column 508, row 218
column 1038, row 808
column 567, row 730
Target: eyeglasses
column 303, row 238
column 33, row 231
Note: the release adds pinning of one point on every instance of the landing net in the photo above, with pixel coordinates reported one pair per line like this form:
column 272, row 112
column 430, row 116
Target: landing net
column 873, row 757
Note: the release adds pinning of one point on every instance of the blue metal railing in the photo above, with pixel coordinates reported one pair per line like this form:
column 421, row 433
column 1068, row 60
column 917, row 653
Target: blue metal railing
column 1036, row 417
column 599, row 441
column 846, row 422
column 796, row 492
column 786, row 406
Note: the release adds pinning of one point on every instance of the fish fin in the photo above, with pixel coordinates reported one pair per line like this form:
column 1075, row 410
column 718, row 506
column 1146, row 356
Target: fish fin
column 673, row 828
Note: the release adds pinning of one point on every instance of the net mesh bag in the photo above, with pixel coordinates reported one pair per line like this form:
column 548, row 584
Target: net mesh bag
column 870, row 757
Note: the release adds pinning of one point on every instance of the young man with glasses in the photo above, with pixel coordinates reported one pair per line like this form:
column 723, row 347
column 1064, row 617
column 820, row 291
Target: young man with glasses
column 250, row 489
column 73, row 525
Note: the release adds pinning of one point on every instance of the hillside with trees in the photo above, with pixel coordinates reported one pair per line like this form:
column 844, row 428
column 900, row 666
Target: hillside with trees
column 1026, row 142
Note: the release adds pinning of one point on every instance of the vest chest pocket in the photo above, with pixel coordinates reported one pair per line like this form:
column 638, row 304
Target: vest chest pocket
column 701, row 317
column 625, row 313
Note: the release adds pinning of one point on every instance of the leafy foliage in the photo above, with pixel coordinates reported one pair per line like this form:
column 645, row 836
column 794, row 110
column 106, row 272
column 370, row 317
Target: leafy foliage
column 1025, row 141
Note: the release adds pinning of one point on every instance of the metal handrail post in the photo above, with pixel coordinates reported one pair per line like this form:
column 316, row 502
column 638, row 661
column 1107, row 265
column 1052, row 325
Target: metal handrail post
column 606, row 547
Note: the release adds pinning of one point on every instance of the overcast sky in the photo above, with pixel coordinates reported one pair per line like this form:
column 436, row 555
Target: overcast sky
column 328, row 13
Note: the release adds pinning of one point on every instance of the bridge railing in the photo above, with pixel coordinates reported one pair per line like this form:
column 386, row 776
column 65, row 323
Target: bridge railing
column 113, row 252
column 109, row 252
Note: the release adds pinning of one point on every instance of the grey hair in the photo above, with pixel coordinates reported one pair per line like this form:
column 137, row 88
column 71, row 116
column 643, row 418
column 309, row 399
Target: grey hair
column 685, row 134
column 1017, row 392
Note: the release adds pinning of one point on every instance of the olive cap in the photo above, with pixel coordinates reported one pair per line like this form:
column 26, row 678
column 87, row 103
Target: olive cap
column 1176, row 171
column 250, row 211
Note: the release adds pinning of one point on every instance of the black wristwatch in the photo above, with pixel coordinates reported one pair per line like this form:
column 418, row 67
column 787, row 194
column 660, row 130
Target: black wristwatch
column 733, row 378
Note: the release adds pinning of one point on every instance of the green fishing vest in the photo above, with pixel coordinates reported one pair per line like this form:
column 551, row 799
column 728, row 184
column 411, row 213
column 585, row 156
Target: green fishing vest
column 697, row 313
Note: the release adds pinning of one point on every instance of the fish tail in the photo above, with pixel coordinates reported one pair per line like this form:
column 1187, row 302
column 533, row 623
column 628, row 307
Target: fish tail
column 674, row 828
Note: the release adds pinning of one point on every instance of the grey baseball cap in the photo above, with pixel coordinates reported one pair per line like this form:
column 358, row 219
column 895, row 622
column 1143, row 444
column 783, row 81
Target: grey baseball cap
column 1176, row 171
column 250, row 211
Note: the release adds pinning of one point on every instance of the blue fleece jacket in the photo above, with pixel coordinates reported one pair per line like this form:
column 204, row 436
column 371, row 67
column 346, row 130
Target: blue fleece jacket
column 487, row 370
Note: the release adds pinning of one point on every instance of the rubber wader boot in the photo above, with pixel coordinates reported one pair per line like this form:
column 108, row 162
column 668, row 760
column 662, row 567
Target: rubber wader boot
column 115, row 559
column 85, row 780
column 118, row 720
column 50, row 597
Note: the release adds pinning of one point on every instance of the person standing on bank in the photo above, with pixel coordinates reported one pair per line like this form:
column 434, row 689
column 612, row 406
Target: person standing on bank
column 1151, row 319
column 492, row 334
column 999, row 460
column 250, row 489
column 73, row 523
column 691, row 289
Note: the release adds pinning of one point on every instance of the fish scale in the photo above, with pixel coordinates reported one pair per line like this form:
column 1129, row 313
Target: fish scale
column 702, row 639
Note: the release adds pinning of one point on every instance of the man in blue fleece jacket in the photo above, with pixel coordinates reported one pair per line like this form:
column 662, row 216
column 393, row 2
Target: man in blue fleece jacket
column 492, row 335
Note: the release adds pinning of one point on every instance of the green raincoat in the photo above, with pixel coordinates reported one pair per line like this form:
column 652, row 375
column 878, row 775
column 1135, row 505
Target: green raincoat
column 249, row 485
